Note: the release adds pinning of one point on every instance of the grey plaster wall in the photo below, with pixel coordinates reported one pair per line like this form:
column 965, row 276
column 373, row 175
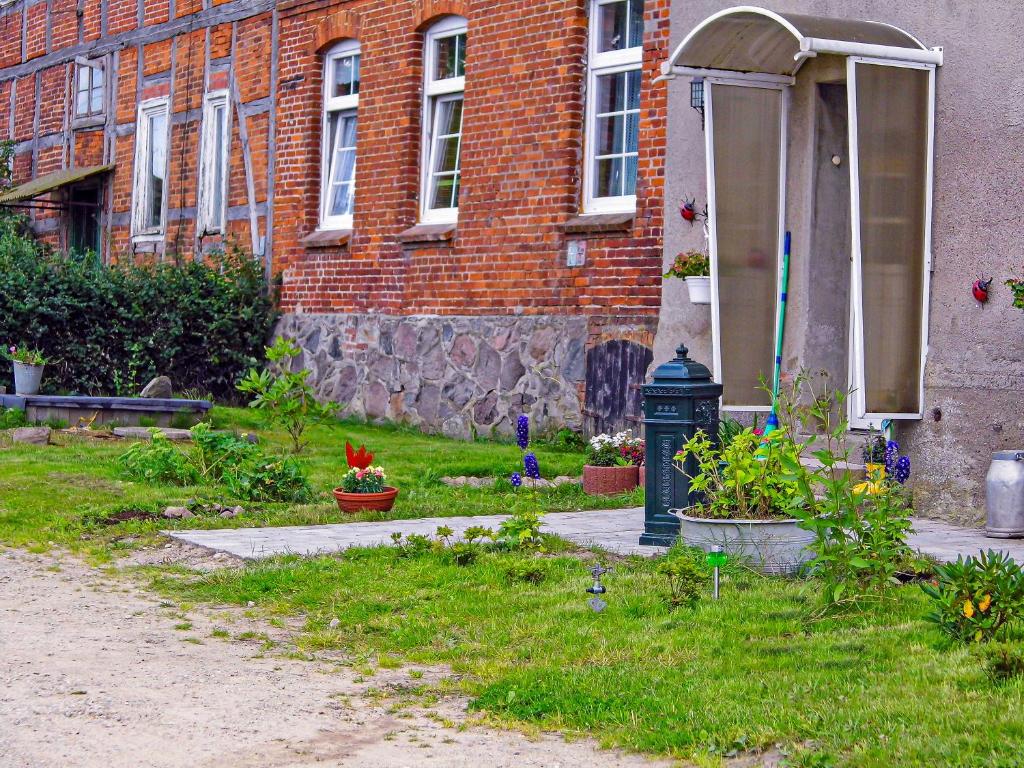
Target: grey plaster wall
column 975, row 364
column 462, row 376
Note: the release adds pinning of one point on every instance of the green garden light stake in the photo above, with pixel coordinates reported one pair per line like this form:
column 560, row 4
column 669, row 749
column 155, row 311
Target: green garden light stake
column 597, row 588
column 780, row 331
column 717, row 558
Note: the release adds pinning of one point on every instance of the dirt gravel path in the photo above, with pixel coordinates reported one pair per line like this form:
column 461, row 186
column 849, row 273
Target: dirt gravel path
column 93, row 674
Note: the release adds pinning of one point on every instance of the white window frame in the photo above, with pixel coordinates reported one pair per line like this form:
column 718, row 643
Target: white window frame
column 148, row 109
column 599, row 64
column 91, row 66
column 340, row 105
column 212, row 212
column 780, row 84
column 434, row 93
column 859, row 417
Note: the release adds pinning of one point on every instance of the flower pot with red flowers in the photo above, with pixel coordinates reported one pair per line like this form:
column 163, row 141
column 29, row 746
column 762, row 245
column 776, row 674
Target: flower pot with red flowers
column 694, row 267
column 363, row 487
column 610, row 467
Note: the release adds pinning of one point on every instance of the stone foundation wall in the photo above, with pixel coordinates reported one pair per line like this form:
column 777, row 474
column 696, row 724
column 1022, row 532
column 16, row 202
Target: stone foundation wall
column 459, row 375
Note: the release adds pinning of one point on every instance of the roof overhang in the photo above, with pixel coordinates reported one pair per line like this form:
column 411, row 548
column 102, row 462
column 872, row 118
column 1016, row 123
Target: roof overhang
column 751, row 40
column 41, row 185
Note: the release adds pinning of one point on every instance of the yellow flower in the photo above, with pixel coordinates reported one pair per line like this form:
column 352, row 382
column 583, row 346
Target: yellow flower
column 984, row 603
column 968, row 609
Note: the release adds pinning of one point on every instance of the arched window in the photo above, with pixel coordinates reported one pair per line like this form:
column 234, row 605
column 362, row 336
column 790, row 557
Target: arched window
column 613, row 105
column 338, row 164
column 444, row 71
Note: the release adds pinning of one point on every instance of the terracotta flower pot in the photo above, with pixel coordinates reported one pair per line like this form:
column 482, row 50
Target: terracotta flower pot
column 605, row 481
column 642, row 479
column 359, row 502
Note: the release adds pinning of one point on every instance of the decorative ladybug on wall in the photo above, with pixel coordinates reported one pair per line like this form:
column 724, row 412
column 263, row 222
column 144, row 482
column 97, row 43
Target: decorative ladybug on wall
column 980, row 289
column 688, row 210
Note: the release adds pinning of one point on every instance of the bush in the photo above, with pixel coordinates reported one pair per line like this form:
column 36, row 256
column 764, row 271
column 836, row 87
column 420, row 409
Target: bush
column 240, row 465
column 1003, row 661
column 974, row 599
column 108, row 330
column 12, row 418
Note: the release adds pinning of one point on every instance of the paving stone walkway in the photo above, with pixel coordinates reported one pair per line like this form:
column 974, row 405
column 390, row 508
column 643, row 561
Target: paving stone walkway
column 616, row 530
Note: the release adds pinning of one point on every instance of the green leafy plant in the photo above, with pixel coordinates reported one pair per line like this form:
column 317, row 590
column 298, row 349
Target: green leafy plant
column 12, row 418
column 691, row 263
column 241, row 466
column 526, row 572
column 98, row 322
column 284, row 396
column 1003, row 661
column 521, row 530
column 24, row 354
column 1017, row 289
column 744, row 478
column 860, row 528
column 687, row 580
column 368, row 480
column 974, row 599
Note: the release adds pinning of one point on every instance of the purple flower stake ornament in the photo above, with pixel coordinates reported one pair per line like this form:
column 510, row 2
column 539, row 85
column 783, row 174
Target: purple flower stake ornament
column 531, row 466
column 523, row 432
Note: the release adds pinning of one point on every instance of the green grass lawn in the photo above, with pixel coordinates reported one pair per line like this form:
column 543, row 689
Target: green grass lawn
column 58, row 493
column 878, row 688
column 751, row 671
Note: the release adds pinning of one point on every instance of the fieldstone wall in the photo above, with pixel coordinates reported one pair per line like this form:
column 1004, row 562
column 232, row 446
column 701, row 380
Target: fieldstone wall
column 459, row 375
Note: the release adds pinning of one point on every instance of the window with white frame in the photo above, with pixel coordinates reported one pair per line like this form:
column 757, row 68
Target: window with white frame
column 149, row 201
column 444, row 69
column 89, row 88
column 613, row 105
column 213, row 163
column 338, row 166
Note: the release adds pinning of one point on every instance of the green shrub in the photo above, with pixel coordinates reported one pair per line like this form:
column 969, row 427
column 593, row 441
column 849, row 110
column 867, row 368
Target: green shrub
column 241, row 466
column 687, row 579
column 108, row 330
column 284, row 396
column 12, row 418
column 974, row 599
column 526, row 572
column 1003, row 661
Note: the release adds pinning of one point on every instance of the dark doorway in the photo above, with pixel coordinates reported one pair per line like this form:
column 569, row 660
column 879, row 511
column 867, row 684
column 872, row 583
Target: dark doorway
column 615, row 373
column 84, row 232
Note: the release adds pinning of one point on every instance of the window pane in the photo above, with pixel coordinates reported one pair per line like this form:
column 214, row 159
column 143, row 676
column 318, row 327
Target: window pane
column 343, row 165
column 620, row 25
column 346, row 76
column 445, row 162
column 608, row 178
column 629, row 183
column 156, row 169
column 217, row 183
column 82, row 91
column 451, row 57
column 449, row 118
column 633, row 89
column 611, row 96
column 746, row 132
column 632, row 138
column 96, row 100
column 445, row 192
column 892, row 154
column 609, row 135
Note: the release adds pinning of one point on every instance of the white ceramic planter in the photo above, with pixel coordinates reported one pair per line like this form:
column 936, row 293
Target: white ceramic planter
column 700, row 289
column 27, row 378
column 771, row 546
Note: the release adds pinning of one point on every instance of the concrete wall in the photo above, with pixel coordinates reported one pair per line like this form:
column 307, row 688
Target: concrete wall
column 975, row 365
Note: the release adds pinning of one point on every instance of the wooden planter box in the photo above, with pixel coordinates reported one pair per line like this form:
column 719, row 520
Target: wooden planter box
column 606, row 481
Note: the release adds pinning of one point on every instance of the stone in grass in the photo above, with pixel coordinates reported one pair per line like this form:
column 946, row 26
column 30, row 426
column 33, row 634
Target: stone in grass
column 160, row 387
column 232, row 512
column 176, row 513
column 31, row 435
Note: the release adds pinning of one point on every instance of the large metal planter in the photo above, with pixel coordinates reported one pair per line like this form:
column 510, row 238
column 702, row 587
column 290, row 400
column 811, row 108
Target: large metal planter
column 27, row 378
column 771, row 546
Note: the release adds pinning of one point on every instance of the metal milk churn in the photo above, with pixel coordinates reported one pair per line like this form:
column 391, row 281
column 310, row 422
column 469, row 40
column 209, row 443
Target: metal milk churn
column 1004, row 495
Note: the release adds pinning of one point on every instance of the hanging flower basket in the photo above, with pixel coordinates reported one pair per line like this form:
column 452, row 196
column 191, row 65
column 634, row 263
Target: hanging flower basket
column 700, row 289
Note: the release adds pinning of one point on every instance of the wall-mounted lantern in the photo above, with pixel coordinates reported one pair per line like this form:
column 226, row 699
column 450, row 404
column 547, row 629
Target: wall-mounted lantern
column 697, row 98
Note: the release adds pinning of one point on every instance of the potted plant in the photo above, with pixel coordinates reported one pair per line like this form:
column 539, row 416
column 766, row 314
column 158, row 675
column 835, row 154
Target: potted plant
column 608, row 470
column 696, row 269
column 747, row 499
column 363, row 486
column 28, row 369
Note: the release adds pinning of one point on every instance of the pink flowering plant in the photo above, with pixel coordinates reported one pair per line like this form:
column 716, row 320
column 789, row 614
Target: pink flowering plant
column 364, row 480
column 25, row 354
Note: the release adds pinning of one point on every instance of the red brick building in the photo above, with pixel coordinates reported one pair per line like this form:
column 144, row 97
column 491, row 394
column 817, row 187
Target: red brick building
column 463, row 200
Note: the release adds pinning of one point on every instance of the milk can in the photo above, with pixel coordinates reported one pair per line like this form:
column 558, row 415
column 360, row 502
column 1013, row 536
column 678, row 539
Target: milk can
column 1004, row 495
